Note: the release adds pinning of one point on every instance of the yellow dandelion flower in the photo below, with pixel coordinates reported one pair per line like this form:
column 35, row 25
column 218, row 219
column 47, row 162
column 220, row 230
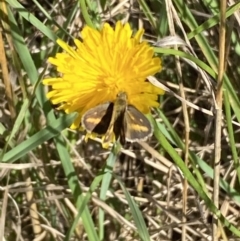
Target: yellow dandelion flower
column 103, row 64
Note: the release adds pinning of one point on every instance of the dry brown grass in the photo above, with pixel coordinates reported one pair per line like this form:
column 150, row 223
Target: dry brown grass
column 36, row 200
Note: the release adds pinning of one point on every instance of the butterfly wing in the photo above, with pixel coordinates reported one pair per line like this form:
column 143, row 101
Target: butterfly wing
column 97, row 119
column 136, row 125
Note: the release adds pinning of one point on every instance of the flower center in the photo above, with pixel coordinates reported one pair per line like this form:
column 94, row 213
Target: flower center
column 114, row 84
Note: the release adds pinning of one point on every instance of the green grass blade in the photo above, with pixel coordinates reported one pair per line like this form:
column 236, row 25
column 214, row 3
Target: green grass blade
column 37, row 139
column 193, row 182
column 211, row 22
column 196, row 161
column 148, row 12
column 17, row 123
column 107, row 176
column 32, row 19
column 84, row 200
column 231, row 134
column 208, row 53
column 142, row 230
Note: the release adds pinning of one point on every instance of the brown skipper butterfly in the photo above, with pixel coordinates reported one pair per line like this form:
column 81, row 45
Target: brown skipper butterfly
column 117, row 120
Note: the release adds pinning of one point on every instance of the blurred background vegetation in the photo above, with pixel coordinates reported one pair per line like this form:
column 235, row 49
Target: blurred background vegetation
column 55, row 186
